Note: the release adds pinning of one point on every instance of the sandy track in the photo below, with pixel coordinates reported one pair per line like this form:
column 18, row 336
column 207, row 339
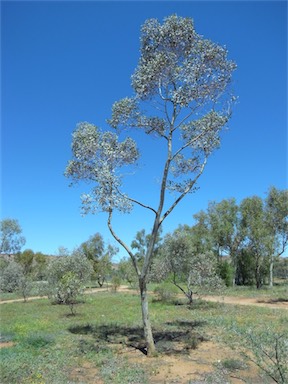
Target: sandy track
column 259, row 302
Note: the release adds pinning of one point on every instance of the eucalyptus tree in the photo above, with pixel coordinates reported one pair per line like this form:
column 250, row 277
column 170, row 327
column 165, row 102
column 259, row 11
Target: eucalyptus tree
column 276, row 206
column 258, row 241
column 225, row 227
column 11, row 240
column 183, row 98
column 201, row 232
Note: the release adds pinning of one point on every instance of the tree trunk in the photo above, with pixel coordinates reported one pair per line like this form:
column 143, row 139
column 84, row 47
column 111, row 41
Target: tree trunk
column 271, row 272
column 258, row 276
column 151, row 350
column 190, row 297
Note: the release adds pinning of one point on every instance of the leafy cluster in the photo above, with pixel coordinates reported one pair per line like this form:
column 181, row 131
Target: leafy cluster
column 182, row 64
column 97, row 157
column 11, row 240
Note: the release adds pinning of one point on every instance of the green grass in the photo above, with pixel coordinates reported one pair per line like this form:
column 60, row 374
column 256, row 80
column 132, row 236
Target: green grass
column 49, row 344
column 275, row 292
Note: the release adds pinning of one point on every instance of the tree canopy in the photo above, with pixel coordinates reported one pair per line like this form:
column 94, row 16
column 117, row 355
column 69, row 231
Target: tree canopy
column 11, row 240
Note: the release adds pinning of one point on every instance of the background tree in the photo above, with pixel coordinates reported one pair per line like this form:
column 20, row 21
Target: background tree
column 127, row 272
column 225, row 226
column 10, row 276
column 141, row 243
column 226, row 232
column 182, row 97
column 201, row 233
column 186, row 268
column 25, row 259
column 40, row 266
column 67, row 274
column 258, row 239
column 14, row 279
column 245, row 267
column 94, row 249
column 11, row 240
column 276, row 205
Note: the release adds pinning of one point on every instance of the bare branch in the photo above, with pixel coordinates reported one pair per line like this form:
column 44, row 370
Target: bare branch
column 121, row 242
column 187, row 190
column 137, row 202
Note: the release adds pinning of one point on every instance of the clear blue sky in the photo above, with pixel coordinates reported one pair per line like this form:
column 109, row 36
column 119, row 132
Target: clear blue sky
column 66, row 62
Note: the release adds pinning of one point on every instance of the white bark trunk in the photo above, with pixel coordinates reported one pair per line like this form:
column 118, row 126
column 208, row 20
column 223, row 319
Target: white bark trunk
column 146, row 319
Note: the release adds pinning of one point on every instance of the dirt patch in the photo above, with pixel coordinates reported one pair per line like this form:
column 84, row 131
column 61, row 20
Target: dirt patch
column 6, row 344
column 86, row 372
column 178, row 361
column 194, row 367
column 268, row 303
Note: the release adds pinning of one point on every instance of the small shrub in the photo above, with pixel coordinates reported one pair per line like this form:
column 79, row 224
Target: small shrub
column 69, row 288
column 166, row 292
column 115, row 283
column 193, row 340
column 268, row 349
column 67, row 277
column 233, row 364
column 39, row 340
column 219, row 376
column 87, row 346
column 200, row 304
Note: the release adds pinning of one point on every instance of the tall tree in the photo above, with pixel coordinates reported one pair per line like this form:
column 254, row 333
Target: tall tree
column 225, row 226
column 226, row 230
column 11, row 240
column 201, row 233
column 258, row 239
column 276, row 205
column 182, row 97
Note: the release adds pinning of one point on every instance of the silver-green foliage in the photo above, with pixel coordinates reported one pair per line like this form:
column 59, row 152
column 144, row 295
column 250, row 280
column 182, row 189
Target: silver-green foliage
column 185, row 79
column 10, row 276
column 11, row 240
column 268, row 349
column 187, row 269
column 67, row 278
column 14, row 279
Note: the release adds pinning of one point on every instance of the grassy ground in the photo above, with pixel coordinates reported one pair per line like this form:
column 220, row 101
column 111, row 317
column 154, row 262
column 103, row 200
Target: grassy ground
column 45, row 344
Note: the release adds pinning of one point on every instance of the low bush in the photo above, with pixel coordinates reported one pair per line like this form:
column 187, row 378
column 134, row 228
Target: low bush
column 165, row 292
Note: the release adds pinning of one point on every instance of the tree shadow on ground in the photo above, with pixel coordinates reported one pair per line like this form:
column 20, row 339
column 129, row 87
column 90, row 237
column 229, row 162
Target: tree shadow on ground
column 176, row 337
